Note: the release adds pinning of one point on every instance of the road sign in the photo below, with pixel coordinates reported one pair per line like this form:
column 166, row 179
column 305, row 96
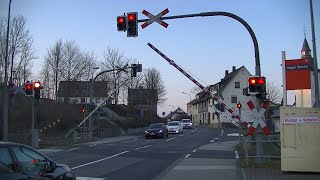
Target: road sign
column 258, row 118
column 155, row 18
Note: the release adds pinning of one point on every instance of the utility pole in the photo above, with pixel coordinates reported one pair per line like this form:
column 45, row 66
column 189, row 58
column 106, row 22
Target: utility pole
column 315, row 62
column 219, row 120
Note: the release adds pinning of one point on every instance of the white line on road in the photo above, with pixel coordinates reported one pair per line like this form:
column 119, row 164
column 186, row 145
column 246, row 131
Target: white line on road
column 181, row 135
column 237, row 155
column 171, row 139
column 92, row 145
column 73, row 149
column 189, row 132
column 187, row 155
column 215, row 138
column 194, row 150
column 212, row 141
column 100, row 160
column 143, row 147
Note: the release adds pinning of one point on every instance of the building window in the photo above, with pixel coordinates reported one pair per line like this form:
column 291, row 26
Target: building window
column 83, row 100
column 234, row 99
column 212, row 116
column 237, row 84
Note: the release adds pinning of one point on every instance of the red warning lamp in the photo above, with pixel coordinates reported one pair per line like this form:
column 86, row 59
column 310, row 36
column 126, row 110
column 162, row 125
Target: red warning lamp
column 239, row 105
column 131, row 17
column 83, row 110
column 121, row 23
column 37, row 85
column 261, row 81
column 28, row 87
column 252, row 81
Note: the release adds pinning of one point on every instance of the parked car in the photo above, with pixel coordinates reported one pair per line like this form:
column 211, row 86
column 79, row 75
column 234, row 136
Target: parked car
column 18, row 161
column 156, row 130
column 187, row 123
column 175, row 127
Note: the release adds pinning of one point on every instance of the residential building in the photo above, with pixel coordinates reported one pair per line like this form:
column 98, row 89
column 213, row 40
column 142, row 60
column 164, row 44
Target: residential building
column 230, row 90
column 177, row 115
column 77, row 92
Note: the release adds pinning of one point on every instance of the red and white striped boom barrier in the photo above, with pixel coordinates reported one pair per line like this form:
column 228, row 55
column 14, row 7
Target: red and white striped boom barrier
column 216, row 98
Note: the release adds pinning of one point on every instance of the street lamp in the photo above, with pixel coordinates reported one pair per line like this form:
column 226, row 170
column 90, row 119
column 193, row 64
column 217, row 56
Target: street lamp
column 187, row 94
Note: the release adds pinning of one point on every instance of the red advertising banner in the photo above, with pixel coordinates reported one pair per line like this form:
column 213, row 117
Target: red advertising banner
column 298, row 74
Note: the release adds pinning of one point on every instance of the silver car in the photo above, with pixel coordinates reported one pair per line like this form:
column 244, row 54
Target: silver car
column 187, row 123
column 175, row 127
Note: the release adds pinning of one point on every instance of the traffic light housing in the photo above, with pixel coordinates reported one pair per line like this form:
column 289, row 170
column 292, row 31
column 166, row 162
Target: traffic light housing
column 36, row 88
column 253, row 85
column 28, row 89
column 122, row 23
column 134, row 68
column 262, row 87
column 132, row 29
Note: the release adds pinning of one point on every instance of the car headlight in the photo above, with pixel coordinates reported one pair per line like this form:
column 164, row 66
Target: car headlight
column 160, row 131
column 69, row 174
column 146, row 132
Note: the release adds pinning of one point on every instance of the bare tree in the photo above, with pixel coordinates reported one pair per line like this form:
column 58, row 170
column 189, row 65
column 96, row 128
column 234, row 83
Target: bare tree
column 195, row 90
column 20, row 46
column 54, row 58
column 152, row 80
column 114, row 59
column 45, row 77
column 273, row 92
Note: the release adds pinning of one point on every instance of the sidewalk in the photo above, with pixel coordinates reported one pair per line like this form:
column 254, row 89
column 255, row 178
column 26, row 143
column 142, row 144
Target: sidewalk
column 206, row 168
column 101, row 141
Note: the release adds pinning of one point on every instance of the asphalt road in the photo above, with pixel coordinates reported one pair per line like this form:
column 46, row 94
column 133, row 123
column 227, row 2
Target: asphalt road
column 137, row 159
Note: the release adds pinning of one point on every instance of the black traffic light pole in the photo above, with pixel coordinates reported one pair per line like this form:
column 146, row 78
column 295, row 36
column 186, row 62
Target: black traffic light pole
column 259, row 146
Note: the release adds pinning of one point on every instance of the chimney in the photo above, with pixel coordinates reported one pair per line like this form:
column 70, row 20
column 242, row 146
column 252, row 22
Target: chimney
column 226, row 72
column 233, row 68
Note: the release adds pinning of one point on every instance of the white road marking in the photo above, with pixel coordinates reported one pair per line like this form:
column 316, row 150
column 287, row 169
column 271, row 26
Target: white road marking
column 143, row 147
column 234, row 134
column 194, row 150
column 92, row 145
column 89, row 178
column 86, row 164
column 187, row 155
column 181, row 135
column 189, row 132
column 237, row 155
column 171, row 139
column 215, row 138
column 73, row 149
column 212, row 141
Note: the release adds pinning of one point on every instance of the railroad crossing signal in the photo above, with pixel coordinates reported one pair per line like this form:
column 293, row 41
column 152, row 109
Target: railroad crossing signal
column 256, row 85
column 239, row 105
column 132, row 28
column 36, row 88
column 135, row 68
column 155, row 18
column 258, row 118
column 122, row 23
column 28, row 89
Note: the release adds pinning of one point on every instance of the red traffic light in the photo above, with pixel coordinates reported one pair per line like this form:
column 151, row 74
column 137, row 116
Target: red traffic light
column 261, row 81
column 37, row 85
column 120, row 20
column 131, row 17
column 252, row 81
column 28, row 87
column 83, row 110
column 238, row 105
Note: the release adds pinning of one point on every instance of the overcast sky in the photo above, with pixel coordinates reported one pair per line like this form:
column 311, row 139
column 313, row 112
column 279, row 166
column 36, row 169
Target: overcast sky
column 205, row 46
